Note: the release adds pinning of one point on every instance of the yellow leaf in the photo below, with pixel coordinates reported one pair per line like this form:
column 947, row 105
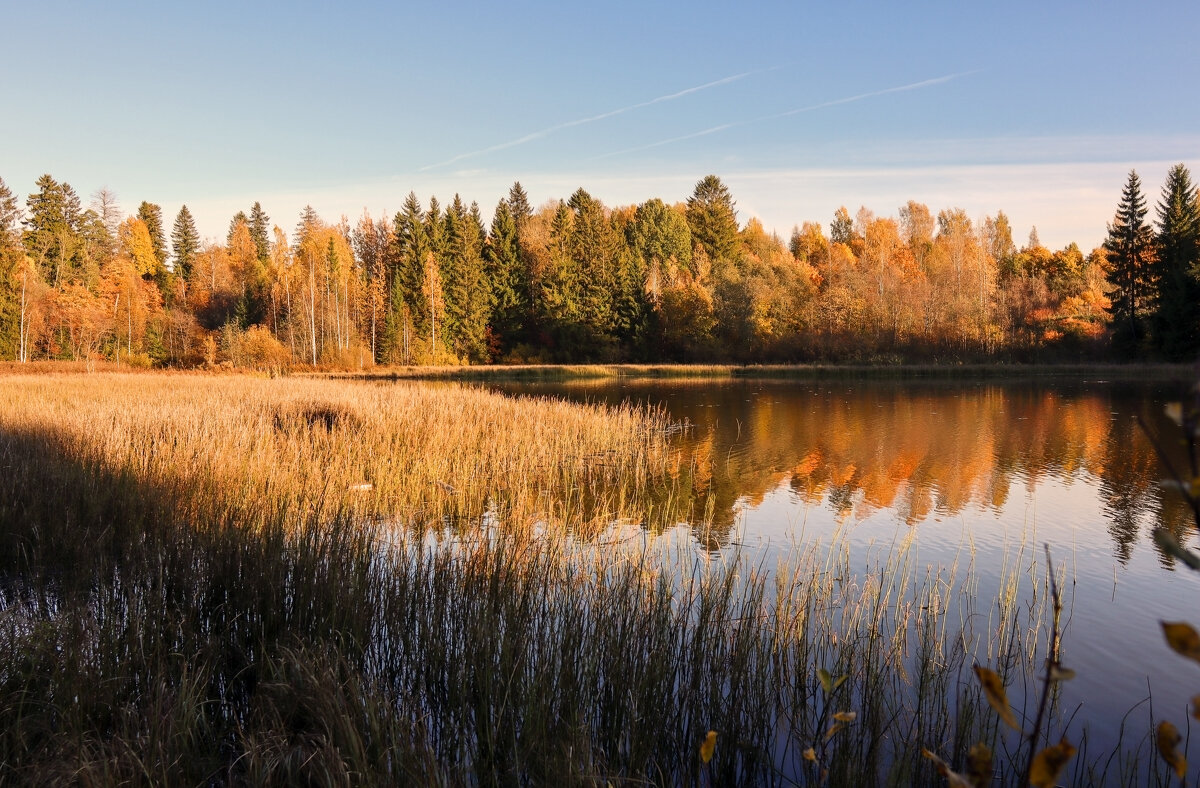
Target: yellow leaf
column 1196, row 707
column 1048, row 763
column 993, row 688
column 825, row 679
column 1167, row 738
column 810, row 755
column 833, row 729
column 954, row 779
column 709, row 747
column 846, row 716
column 1182, row 638
column 1174, row 411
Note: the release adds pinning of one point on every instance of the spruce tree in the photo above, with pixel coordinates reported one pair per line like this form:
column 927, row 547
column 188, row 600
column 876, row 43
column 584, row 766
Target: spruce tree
column 259, row 230
column 1130, row 249
column 1176, row 320
column 518, row 205
column 51, row 236
column 151, row 215
column 463, row 285
column 507, row 282
column 185, row 243
column 713, row 220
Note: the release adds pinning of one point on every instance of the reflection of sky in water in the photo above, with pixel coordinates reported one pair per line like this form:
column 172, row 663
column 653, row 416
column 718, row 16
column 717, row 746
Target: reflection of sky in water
column 969, row 474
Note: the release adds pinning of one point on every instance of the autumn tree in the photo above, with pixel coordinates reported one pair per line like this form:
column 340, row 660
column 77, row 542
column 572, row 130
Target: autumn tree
column 1176, row 317
column 371, row 239
column 841, row 229
column 13, row 279
column 1130, row 248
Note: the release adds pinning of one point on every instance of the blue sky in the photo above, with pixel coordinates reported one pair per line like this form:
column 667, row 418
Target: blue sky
column 1036, row 111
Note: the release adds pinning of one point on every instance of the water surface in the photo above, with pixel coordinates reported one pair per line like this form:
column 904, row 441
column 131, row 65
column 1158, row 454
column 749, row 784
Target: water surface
column 976, row 476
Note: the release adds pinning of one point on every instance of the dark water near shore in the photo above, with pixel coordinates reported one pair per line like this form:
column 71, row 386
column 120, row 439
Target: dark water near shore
column 976, row 476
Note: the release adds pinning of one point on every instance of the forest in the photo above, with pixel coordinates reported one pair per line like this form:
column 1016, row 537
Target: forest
column 579, row 281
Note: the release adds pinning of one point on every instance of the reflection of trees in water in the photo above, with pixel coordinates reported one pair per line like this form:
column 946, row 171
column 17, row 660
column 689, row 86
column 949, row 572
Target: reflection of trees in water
column 919, row 449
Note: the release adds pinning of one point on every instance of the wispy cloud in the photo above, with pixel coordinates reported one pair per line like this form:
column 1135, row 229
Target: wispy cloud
column 776, row 116
column 537, row 135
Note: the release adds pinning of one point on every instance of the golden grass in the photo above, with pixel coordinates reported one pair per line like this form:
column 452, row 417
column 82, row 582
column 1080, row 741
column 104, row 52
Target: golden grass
column 404, row 451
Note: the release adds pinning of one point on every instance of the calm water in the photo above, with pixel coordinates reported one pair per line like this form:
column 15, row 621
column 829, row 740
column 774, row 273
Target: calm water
column 967, row 474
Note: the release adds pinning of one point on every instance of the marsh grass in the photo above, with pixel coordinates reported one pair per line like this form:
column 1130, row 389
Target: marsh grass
column 197, row 586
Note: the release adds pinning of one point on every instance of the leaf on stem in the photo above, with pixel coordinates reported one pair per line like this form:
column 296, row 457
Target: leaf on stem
column 708, row 747
column 1167, row 738
column 993, row 689
column 1049, row 763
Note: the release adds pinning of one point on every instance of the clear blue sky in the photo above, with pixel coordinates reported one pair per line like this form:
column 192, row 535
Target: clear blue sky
column 1036, row 109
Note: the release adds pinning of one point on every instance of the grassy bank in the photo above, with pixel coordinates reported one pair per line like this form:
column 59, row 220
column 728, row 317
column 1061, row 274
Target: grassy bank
column 226, row 580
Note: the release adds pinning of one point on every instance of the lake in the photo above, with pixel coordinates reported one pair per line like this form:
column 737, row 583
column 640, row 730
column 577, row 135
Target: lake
column 974, row 476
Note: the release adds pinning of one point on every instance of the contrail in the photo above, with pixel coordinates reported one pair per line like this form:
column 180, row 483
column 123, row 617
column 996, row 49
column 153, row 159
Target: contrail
column 592, row 119
column 849, row 99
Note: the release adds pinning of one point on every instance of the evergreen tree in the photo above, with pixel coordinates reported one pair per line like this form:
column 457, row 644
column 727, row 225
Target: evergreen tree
column 713, row 220
column 508, row 283
column 463, row 283
column 151, row 216
column 1130, row 249
column 593, row 248
column 185, row 243
column 259, row 224
column 518, row 205
column 51, row 236
column 1176, row 319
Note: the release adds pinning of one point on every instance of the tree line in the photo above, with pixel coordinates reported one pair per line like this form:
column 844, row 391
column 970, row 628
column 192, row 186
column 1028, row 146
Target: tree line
column 578, row 281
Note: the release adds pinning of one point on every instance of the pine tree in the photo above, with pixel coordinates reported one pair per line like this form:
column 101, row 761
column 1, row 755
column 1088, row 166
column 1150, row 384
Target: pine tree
column 259, row 224
column 151, row 216
column 1176, row 319
column 185, row 243
column 1130, row 249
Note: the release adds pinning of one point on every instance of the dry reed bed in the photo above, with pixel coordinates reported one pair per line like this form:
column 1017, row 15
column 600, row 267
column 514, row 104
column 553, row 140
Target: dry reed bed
column 404, row 451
